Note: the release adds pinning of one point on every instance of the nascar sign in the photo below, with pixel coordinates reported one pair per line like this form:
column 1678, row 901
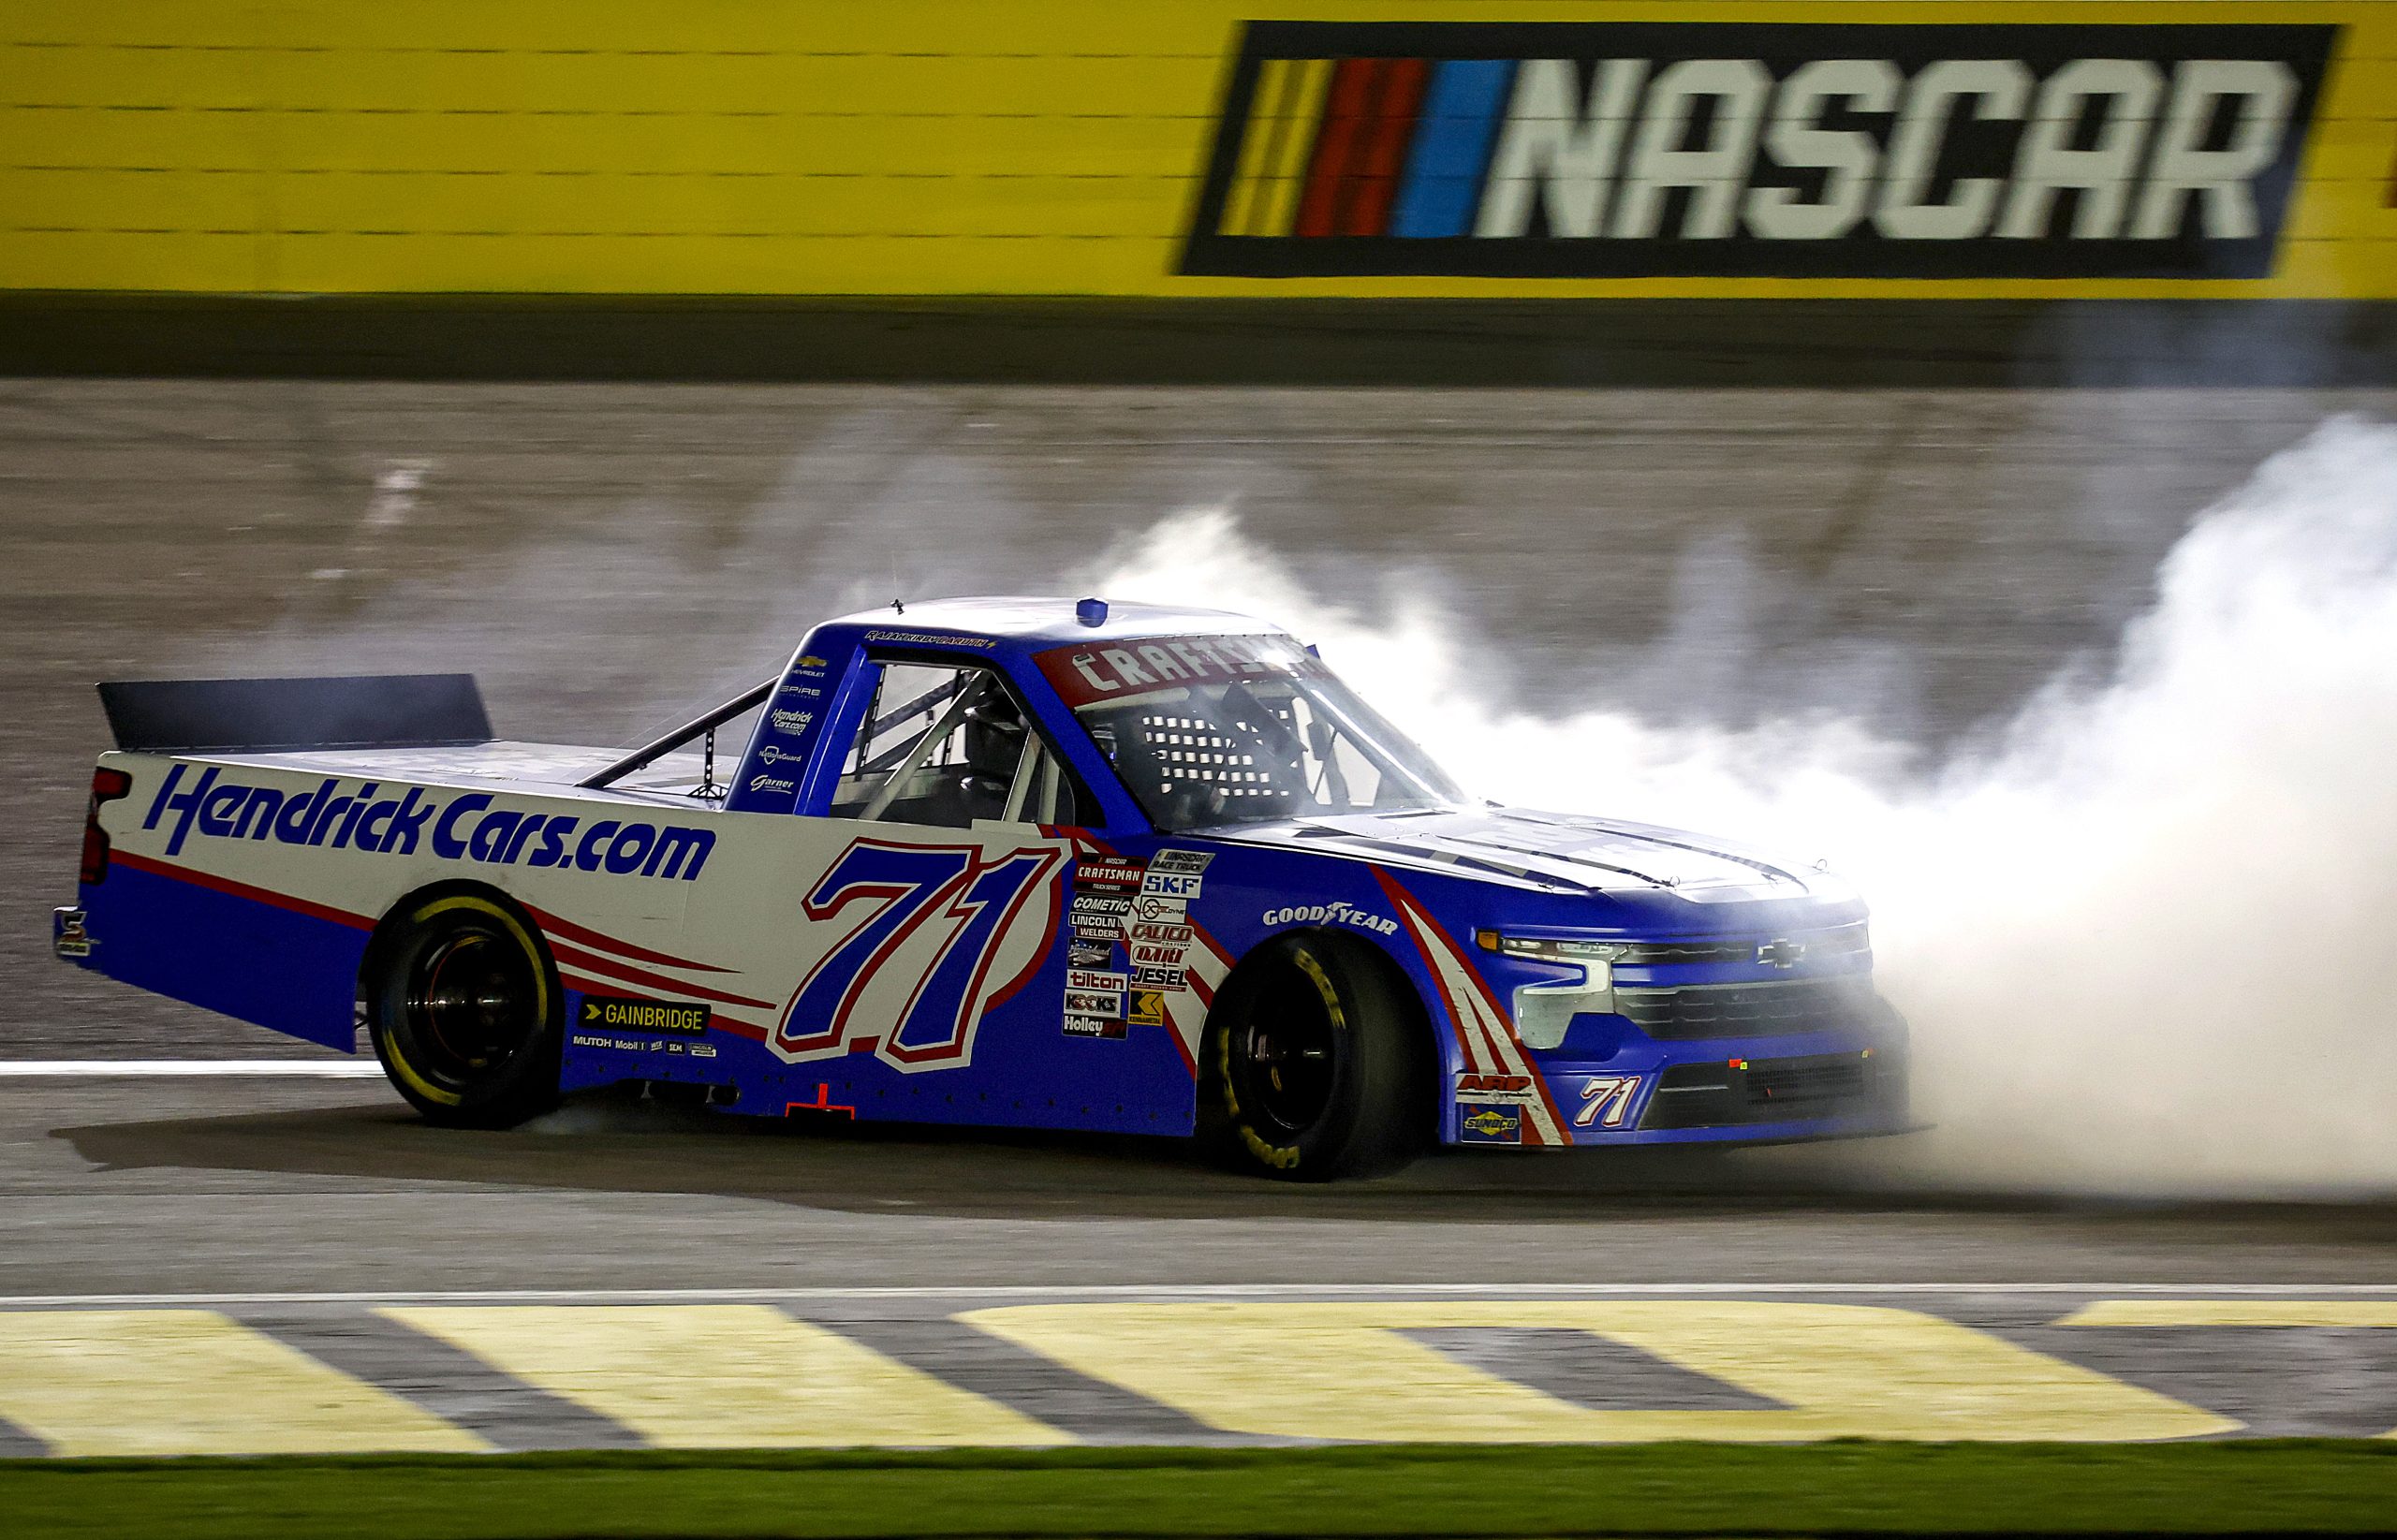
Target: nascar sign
column 1618, row 150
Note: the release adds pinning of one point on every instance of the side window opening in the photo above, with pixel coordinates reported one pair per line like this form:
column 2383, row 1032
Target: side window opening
column 949, row 747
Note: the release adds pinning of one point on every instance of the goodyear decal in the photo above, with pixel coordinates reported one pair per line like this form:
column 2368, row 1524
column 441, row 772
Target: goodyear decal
column 1624, row 150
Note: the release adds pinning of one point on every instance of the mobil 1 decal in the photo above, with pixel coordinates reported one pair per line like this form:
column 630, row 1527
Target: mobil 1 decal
column 1703, row 149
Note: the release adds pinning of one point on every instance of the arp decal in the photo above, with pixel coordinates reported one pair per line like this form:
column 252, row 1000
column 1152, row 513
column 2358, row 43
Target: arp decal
column 1511, row 1090
column 1624, row 150
column 931, row 944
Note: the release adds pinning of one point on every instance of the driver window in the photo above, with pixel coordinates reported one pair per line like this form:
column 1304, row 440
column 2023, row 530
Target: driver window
column 948, row 747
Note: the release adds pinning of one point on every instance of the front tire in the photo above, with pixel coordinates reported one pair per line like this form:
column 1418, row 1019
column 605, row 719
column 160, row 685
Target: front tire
column 464, row 1009
column 1316, row 1064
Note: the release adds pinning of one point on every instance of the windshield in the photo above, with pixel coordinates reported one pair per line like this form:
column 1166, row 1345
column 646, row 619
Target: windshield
column 1206, row 730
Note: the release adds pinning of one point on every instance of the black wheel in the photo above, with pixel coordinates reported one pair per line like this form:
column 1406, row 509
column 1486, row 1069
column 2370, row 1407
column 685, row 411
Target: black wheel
column 466, row 1012
column 1317, row 1063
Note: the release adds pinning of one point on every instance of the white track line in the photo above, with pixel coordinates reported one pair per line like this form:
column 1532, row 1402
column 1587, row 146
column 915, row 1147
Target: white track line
column 1151, row 1291
column 143, row 1070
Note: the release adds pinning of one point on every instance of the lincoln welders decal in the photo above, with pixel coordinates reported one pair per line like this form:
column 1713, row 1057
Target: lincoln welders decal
column 1610, row 150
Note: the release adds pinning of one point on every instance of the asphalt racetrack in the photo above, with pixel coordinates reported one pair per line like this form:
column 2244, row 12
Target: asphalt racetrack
column 604, row 555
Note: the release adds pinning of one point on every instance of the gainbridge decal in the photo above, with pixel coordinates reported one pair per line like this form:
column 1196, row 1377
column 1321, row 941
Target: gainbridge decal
column 1756, row 149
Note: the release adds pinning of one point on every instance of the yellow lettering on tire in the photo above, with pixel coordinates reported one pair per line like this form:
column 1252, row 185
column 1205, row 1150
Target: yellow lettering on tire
column 1342, row 1371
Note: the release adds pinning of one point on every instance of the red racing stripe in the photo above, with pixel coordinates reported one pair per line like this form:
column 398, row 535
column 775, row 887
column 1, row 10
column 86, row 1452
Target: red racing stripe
column 1355, row 84
column 606, row 942
column 242, row 890
column 1374, row 183
column 608, row 965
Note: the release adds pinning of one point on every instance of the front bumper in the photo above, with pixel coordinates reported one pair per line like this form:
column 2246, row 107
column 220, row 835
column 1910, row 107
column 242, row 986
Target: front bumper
column 1611, row 1083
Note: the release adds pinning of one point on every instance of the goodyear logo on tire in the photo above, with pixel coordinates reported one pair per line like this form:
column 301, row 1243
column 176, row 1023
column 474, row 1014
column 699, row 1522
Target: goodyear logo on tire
column 1700, row 149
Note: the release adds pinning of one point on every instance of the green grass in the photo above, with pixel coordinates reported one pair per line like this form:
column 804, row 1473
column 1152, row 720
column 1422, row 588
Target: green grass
column 1677, row 1488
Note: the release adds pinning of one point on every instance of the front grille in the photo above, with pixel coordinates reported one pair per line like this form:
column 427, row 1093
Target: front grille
column 1758, row 1091
column 1766, row 1009
column 1843, row 941
column 1788, row 1082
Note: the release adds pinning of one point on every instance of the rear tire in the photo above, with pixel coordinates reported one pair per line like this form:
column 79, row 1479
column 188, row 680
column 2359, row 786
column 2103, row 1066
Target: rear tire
column 1316, row 1064
column 464, row 1009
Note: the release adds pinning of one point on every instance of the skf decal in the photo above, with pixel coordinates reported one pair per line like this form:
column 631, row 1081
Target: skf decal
column 932, row 941
column 1605, row 1100
column 453, row 827
column 1622, row 150
column 1486, row 1043
column 1171, row 885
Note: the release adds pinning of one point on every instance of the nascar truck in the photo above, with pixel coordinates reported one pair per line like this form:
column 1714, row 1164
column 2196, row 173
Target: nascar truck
column 1009, row 861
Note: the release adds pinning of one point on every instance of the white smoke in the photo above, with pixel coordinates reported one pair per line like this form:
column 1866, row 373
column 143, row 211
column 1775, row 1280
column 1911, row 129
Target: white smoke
column 2147, row 936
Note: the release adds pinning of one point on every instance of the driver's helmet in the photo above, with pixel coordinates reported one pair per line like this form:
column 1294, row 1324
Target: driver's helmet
column 994, row 737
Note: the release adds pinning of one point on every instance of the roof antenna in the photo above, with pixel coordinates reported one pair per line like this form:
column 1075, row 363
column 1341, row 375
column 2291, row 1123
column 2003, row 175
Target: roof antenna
column 898, row 607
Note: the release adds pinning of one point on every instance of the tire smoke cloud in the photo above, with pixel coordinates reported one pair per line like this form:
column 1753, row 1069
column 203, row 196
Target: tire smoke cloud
column 2143, row 928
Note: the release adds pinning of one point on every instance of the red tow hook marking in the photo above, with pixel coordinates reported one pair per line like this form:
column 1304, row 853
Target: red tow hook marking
column 823, row 1103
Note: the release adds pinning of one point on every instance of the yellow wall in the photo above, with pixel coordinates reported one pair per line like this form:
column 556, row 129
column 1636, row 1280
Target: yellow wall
column 833, row 147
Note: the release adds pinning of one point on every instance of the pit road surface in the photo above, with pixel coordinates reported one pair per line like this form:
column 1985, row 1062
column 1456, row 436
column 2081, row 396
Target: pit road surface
column 604, row 555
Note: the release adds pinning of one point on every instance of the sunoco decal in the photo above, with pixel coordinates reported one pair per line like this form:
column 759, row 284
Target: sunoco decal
column 1706, row 149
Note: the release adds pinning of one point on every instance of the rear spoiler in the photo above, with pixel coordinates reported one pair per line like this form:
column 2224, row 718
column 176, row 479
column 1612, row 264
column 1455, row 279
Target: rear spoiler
column 362, row 711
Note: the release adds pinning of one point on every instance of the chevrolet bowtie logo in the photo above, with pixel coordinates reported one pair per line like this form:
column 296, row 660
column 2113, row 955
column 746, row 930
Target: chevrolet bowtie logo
column 1782, row 954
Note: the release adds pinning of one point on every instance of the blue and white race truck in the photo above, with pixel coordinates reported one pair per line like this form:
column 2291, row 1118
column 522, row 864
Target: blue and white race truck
column 1019, row 861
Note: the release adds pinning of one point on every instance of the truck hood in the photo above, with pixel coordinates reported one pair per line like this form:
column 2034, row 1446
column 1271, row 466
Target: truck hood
column 1554, row 852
